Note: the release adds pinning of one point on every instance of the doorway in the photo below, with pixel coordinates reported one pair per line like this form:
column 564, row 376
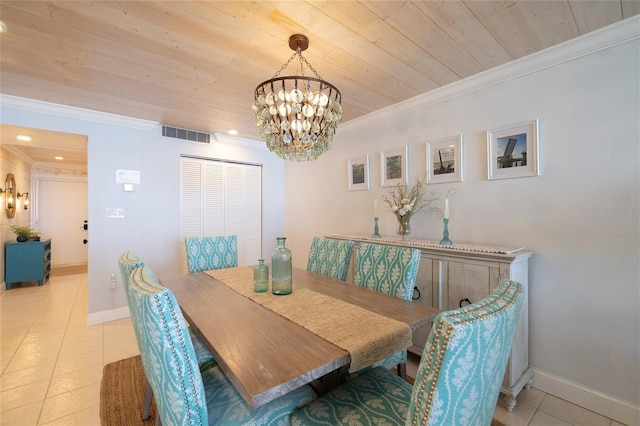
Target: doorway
column 61, row 211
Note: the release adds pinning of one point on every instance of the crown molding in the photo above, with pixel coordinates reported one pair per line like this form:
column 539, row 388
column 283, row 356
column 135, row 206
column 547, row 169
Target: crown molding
column 15, row 102
column 604, row 38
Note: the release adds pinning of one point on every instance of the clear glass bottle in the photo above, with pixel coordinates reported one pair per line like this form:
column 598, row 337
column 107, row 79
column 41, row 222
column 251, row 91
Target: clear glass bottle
column 260, row 277
column 281, row 269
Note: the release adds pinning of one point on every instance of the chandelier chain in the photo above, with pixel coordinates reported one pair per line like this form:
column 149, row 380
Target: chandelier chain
column 302, row 59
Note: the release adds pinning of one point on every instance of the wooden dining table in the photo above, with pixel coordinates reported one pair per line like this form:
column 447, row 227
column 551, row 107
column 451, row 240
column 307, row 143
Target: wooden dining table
column 265, row 354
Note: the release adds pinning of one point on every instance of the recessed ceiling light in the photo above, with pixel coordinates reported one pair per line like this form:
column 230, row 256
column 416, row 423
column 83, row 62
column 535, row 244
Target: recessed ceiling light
column 59, row 158
column 25, row 138
column 232, row 131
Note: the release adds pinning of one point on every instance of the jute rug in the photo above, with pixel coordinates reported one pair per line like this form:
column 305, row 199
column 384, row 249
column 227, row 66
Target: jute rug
column 122, row 394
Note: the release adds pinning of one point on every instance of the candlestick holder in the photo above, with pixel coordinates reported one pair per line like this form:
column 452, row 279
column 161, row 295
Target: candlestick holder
column 445, row 241
column 375, row 229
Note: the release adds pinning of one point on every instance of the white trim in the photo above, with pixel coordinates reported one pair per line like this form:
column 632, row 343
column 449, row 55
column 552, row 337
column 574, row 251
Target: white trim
column 595, row 41
column 74, row 112
column 100, row 317
column 607, row 405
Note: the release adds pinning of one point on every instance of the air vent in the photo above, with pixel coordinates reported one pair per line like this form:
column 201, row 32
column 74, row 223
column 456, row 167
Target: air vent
column 185, row 134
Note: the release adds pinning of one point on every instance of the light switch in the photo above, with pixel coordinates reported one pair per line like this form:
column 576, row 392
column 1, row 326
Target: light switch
column 127, row 187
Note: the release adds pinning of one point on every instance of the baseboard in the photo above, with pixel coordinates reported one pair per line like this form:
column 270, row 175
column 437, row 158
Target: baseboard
column 609, row 406
column 106, row 316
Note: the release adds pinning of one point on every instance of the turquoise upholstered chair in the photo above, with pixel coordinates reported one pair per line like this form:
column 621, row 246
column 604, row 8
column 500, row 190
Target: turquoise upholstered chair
column 206, row 253
column 330, row 257
column 128, row 262
column 458, row 379
column 183, row 394
column 390, row 270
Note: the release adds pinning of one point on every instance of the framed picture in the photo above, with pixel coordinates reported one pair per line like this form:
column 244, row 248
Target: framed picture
column 394, row 164
column 358, row 173
column 444, row 160
column 513, row 151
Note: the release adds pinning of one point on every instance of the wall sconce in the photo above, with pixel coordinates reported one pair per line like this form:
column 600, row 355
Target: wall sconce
column 25, row 199
column 10, row 195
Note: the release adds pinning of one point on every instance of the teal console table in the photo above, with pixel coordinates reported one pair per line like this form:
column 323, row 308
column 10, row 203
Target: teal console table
column 28, row 261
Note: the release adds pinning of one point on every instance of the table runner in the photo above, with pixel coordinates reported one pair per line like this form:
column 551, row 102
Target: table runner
column 367, row 336
column 417, row 243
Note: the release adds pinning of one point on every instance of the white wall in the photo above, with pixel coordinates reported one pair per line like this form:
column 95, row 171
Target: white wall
column 151, row 226
column 580, row 216
column 21, row 169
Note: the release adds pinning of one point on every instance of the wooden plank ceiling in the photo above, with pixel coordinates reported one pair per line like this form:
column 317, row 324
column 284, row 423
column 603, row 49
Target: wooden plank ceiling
column 195, row 65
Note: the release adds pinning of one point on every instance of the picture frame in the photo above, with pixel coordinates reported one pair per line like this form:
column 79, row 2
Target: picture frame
column 444, row 160
column 358, row 172
column 513, row 151
column 394, row 164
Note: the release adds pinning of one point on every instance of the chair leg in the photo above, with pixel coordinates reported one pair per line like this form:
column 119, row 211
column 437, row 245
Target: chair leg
column 148, row 394
column 402, row 370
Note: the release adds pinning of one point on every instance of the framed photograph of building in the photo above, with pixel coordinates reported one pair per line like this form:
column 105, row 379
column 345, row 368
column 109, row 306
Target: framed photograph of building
column 358, row 171
column 394, row 164
column 513, row 151
column 444, row 160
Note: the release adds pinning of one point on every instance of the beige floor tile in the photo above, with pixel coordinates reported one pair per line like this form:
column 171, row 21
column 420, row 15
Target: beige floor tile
column 44, row 345
column 4, row 362
column 521, row 414
column 78, row 362
column 9, row 328
column 23, row 395
column 70, row 349
column 118, row 352
column 70, row 403
column 571, row 413
column 88, row 417
column 30, row 359
column 74, row 380
column 543, row 419
column 27, row 415
column 27, row 376
column 34, row 336
column 531, row 396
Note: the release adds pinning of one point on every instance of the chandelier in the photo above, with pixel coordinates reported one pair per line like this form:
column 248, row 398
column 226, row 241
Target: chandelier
column 297, row 115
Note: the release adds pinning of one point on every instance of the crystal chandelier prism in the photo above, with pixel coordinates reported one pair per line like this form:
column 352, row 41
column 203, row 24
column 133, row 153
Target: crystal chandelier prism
column 297, row 115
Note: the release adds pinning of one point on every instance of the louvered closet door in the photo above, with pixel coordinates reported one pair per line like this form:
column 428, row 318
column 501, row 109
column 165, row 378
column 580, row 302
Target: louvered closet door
column 221, row 198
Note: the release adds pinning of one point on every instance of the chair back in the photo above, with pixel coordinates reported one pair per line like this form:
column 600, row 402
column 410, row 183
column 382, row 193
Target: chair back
column 330, row 257
column 387, row 269
column 464, row 361
column 168, row 357
column 206, row 253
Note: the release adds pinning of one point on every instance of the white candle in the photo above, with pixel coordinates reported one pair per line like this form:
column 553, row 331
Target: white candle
column 446, row 208
column 375, row 208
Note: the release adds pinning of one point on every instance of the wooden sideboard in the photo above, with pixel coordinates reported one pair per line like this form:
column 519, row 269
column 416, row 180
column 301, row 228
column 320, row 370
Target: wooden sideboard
column 450, row 277
column 27, row 261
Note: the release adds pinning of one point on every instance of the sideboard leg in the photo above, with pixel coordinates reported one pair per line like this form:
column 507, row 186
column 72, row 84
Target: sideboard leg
column 509, row 402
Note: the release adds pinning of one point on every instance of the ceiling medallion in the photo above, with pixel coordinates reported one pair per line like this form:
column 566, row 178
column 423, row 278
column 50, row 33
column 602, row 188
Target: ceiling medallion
column 297, row 115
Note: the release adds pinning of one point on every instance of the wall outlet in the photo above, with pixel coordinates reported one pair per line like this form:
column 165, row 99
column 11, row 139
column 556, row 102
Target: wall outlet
column 112, row 282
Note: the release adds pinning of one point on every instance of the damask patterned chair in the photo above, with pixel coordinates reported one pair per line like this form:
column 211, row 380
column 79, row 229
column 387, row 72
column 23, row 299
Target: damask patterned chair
column 330, row 257
column 127, row 263
column 458, row 379
column 183, row 394
column 390, row 270
column 206, row 253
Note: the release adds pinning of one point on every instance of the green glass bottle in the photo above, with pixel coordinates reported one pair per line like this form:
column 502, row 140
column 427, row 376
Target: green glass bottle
column 260, row 277
column 281, row 269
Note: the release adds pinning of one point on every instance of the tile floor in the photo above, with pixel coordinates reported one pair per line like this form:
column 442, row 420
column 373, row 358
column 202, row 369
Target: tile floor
column 51, row 362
